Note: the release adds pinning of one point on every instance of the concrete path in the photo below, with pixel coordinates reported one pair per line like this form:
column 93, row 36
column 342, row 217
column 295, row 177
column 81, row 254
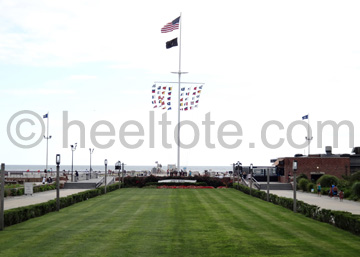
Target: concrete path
column 324, row 202
column 11, row 202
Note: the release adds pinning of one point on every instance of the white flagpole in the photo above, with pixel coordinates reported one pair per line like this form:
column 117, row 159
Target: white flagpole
column 309, row 137
column 47, row 137
column 47, row 141
column 179, row 83
column 178, row 139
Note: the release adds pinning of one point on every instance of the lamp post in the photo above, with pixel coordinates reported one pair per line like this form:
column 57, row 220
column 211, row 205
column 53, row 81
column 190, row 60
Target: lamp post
column 294, row 170
column 73, row 148
column 238, row 168
column 91, row 152
column 118, row 167
column 251, row 176
column 123, row 173
column 233, row 171
column 57, row 182
column 106, row 163
column 268, row 184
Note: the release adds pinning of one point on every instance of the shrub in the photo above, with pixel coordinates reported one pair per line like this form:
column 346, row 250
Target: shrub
column 303, row 182
column 343, row 184
column 347, row 193
column 343, row 220
column 355, row 177
column 300, row 176
column 328, row 180
column 356, row 189
column 311, row 186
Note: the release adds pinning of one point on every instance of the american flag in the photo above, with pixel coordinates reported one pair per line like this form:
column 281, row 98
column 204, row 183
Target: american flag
column 171, row 26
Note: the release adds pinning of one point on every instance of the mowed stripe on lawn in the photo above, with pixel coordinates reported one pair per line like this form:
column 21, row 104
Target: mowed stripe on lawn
column 176, row 222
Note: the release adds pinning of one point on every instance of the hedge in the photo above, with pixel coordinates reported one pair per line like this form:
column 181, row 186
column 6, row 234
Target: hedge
column 344, row 220
column 18, row 215
column 20, row 190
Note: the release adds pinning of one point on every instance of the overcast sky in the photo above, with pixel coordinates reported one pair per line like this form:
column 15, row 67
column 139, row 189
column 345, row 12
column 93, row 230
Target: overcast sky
column 264, row 65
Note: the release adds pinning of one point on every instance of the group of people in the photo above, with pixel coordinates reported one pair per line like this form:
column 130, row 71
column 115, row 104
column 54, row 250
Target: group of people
column 48, row 180
column 333, row 192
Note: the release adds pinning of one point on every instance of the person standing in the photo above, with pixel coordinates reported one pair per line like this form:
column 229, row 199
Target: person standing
column 76, row 176
column 319, row 189
column 341, row 195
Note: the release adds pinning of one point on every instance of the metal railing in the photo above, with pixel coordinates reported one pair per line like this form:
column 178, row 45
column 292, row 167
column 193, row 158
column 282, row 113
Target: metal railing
column 244, row 181
column 256, row 183
column 100, row 182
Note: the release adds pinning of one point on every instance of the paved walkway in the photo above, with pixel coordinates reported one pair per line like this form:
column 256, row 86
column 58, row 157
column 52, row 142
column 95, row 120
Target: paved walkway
column 11, row 202
column 324, row 201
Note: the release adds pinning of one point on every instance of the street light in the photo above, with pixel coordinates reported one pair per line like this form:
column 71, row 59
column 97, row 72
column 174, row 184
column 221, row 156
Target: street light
column 73, row 148
column 251, row 176
column 57, row 182
column 91, row 152
column 118, row 167
column 267, row 184
column 294, row 170
column 106, row 163
column 238, row 168
column 123, row 173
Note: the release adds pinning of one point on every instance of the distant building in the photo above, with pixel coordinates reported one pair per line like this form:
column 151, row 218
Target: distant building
column 316, row 165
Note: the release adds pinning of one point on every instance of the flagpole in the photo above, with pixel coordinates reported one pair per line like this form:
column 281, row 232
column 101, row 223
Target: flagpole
column 47, row 137
column 178, row 139
column 179, row 83
column 309, row 137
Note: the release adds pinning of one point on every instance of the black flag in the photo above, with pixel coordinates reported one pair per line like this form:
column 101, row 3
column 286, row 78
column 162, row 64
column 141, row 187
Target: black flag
column 171, row 43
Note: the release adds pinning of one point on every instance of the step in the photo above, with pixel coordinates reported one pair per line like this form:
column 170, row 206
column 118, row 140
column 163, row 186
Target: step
column 276, row 186
column 79, row 185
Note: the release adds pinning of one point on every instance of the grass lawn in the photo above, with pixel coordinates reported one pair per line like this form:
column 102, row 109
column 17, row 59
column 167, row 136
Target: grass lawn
column 176, row 222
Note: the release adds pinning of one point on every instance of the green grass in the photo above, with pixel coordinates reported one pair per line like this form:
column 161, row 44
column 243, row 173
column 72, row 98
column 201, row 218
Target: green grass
column 176, row 222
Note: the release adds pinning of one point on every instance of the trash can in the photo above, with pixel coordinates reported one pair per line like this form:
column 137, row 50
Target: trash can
column 87, row 176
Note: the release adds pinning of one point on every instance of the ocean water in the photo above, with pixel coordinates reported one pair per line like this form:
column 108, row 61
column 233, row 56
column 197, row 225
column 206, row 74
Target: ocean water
column 201, row 169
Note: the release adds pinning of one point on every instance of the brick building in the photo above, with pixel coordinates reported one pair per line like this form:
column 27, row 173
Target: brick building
column 316, row 165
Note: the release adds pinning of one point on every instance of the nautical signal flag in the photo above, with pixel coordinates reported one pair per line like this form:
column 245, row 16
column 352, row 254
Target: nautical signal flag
column 305, row 117
column 171, row 26
column 171, row 43
column 45, row 116
column 187, row 98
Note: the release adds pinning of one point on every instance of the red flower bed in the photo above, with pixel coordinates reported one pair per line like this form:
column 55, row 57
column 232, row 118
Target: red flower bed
column 186, row 187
